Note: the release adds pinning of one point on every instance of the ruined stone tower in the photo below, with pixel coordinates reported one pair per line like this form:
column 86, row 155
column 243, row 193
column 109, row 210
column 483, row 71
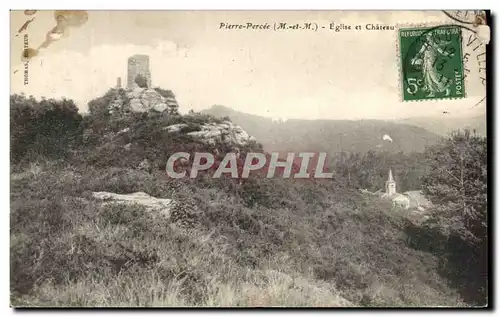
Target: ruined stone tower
column 390, row 185
column 138, row 65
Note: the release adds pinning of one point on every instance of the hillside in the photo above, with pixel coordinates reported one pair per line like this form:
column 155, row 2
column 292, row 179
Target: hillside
column 332, row 136
column 445, row 124
column 207, row 241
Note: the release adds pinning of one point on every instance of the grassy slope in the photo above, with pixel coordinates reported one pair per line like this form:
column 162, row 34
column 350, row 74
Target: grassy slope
column 268, row 242
column 325, row 251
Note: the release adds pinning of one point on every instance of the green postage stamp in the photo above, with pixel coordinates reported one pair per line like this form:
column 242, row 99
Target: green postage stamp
column 431, row 62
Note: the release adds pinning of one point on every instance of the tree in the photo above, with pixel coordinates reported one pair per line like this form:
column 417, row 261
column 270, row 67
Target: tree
column 457, row 184
column 141, row 81
column 99, row 107
column 370, row 170
column 47, row 127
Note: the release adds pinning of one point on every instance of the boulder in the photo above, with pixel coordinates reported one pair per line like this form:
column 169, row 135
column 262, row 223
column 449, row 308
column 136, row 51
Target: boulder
column 225, row 132
column 152, row 204
column 159, row 107
column 137, row 106
column 151, row 99
column 142, row 100
column 171, row 102
column 175, row 127
column 134, row 93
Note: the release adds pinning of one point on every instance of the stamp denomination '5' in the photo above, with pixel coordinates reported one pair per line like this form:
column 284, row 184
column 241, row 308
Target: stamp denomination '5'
column 432, row 66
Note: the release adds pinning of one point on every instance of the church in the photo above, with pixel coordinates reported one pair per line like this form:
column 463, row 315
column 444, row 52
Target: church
column 413, row 199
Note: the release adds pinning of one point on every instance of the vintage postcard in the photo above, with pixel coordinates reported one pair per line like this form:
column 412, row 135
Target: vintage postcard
column 249, row 158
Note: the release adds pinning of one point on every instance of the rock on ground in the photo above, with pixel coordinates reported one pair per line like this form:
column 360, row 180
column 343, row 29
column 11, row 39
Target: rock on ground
column 175, row 127
column 153, row 204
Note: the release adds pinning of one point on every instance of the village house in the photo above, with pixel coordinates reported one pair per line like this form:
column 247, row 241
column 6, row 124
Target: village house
column 413, row 199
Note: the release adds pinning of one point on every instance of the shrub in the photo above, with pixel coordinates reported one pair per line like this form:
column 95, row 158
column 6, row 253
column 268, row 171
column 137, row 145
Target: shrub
column 141, row 81
column 457, row 185
column 47, row 128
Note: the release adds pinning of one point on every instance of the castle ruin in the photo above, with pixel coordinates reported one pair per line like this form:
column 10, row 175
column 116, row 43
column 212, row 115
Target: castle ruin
column 138, row 65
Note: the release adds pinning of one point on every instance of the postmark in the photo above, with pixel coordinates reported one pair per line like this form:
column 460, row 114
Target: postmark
column 470, row 17
column 431, row 63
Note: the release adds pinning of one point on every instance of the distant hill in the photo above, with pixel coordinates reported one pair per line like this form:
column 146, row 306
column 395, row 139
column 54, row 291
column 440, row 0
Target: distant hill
column 332, row 136
column 446, row 124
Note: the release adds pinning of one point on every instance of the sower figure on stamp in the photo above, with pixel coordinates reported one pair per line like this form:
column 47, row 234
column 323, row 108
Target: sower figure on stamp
column 427, row 56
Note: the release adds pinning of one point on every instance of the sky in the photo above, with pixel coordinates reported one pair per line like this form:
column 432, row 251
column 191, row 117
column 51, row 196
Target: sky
column 279, row 74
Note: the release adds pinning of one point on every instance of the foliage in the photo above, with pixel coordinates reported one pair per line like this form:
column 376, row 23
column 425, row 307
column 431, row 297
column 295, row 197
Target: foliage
column 165, row 93
column 141, row 81
column 457, row 184
column 370, row 170
column 457, row 181
column 99, row 107
column 45, row 128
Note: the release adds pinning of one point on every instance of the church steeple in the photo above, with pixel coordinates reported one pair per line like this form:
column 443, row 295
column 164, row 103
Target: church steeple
column 390, row 185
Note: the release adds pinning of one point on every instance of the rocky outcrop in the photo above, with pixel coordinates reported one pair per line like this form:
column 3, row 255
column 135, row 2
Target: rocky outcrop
column 175, row 127
column 152, row 204
column 213, row 133
column 142, row 100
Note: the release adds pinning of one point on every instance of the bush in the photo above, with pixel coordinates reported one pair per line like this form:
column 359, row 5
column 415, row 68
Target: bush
column 141, row 81
column 47, row 128
column 457, row 185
